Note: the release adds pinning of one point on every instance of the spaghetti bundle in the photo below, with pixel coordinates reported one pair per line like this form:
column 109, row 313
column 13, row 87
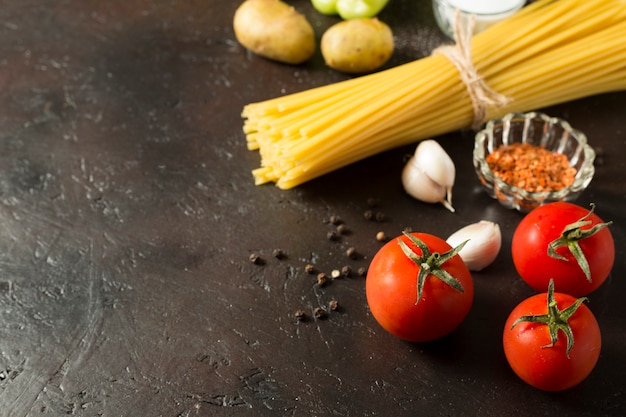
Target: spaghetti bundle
column 550, row 52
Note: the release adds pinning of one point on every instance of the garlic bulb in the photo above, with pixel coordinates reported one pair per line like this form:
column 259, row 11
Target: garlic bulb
column 484, row 242
column 429, row 175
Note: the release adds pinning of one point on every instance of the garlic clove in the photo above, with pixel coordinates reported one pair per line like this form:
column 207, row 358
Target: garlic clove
column 430, row 174
column 484, row 243
column 435, row 162
column 420, row 186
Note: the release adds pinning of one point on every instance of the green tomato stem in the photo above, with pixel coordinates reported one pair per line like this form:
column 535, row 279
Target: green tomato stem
column 555, row 319
column 571, row 235
column 430, row 263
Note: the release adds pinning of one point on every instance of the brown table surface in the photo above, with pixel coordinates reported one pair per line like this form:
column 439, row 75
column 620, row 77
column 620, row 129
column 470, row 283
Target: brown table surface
column 129, row 212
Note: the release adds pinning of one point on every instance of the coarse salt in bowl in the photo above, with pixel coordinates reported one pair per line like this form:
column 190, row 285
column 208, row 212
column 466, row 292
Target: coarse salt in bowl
column 541, row 130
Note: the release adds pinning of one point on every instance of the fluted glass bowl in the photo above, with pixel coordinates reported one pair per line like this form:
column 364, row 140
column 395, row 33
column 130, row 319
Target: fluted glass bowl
column 483, row 14
column 536, row 129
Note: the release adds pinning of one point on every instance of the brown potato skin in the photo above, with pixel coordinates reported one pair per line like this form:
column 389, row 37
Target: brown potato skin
column 357, row 45
column 275, row 30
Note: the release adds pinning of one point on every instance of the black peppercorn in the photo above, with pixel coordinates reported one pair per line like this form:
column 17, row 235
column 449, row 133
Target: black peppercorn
column 300, row 315
column 278, row 253
column 322, row 279
column 319, row 313
column 346, row 271
column 256, row 259
column 335, row 220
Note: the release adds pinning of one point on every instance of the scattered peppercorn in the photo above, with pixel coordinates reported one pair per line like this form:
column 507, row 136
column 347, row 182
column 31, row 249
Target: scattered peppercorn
column 256, row 259
column 346, row 271
column 530, row 167
column 322, row 279
column 342, row 229
column 319, row 313
column 335, row 220
column 300, row 315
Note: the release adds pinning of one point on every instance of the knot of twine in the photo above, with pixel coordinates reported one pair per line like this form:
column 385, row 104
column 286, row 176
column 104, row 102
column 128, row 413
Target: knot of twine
column 460, row 55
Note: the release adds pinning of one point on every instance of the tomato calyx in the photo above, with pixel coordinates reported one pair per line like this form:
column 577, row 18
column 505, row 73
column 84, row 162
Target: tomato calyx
column 555, row 319
column 430, row 263
column 571, row 235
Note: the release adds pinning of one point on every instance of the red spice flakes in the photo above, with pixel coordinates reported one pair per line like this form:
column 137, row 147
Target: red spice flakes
column 531, row 168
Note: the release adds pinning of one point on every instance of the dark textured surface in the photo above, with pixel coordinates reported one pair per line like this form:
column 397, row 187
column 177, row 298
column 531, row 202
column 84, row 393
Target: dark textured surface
column 128, row 214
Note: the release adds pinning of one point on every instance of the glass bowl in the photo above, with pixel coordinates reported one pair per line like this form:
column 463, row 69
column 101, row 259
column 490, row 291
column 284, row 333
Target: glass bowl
column 536, row 129
column 484, row 13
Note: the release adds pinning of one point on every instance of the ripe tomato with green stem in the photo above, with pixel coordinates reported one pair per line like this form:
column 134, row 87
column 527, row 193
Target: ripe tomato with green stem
column 552, row 340
column 418, row 288
column 564, row 242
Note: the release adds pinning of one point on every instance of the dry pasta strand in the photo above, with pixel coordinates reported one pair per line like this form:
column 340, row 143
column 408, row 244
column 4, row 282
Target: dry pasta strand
column 550, row 52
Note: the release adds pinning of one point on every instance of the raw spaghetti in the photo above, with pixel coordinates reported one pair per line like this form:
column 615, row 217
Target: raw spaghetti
column 550, row 52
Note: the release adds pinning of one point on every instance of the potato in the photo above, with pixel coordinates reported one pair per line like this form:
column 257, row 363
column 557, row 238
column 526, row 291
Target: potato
column 274, row 30
column 357, row 45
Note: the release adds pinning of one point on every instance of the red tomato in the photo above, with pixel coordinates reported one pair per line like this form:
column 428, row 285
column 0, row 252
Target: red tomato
column 392, row 288
column 546, row 224
column 529, row 350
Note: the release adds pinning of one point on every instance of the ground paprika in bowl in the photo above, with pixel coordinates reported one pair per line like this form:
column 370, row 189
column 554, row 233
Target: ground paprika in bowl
column 525, row 160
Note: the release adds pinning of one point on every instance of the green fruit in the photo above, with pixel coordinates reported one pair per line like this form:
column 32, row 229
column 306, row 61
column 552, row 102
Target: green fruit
column 353, row 9
column 328, row 7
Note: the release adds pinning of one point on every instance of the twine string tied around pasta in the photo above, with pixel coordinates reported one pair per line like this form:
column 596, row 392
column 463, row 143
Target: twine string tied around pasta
column 460, row 54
